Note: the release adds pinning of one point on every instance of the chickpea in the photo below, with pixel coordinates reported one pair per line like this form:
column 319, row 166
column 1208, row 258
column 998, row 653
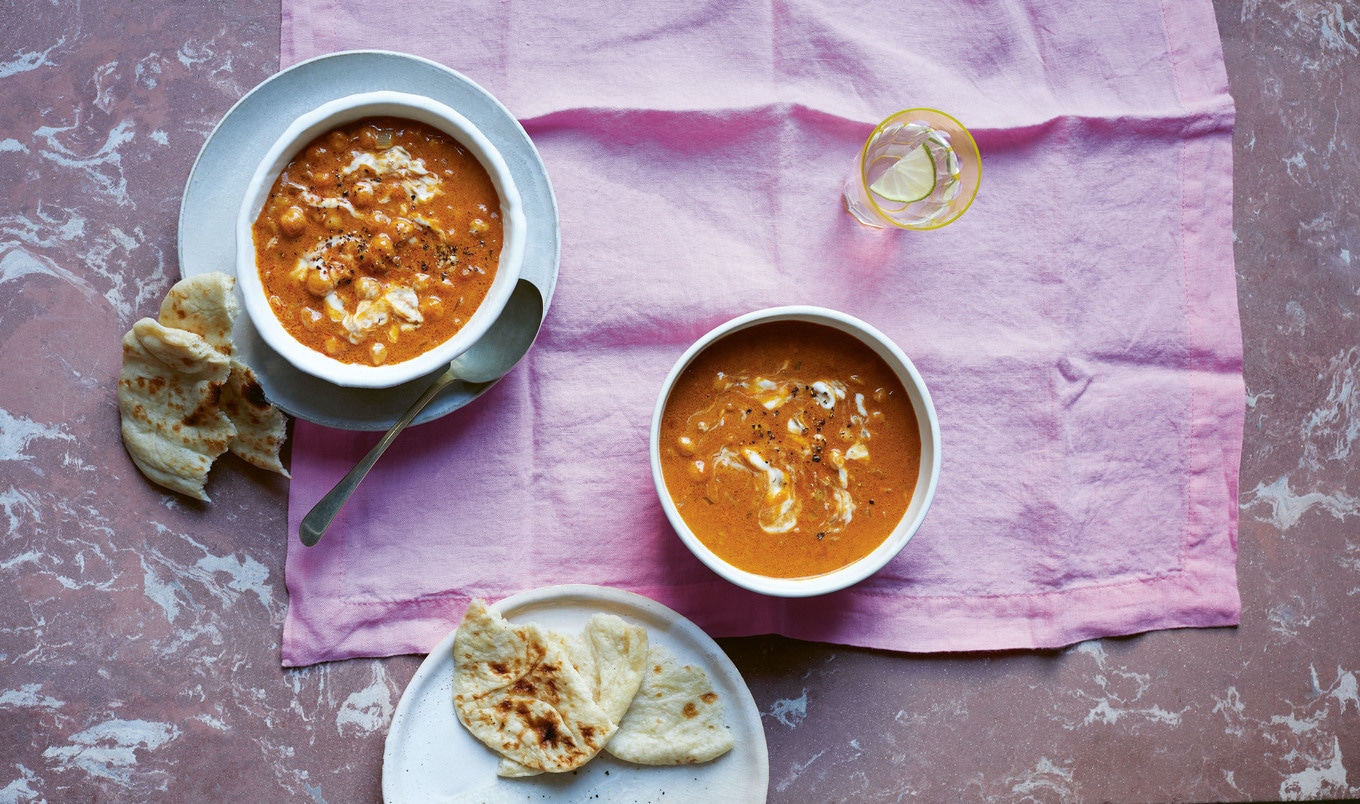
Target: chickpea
column 404, row 228
column 381, row 245
column 293, row 221
column 431, row 306
column 368, row 138
column 377, row 353
column 362, row 194
column 333, row 346
column 381, row 218
column 349, row 249
column 334, row 222
column 420, row 282
column 311, row 318
column 320, row 281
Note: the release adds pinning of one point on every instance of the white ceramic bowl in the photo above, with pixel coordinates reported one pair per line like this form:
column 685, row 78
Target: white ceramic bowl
column 921, row 498
column 294, row 139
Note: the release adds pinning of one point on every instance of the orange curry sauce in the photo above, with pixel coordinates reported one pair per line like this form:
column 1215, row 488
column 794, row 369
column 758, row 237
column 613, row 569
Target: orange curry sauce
column 790, row 449
column 379, row 240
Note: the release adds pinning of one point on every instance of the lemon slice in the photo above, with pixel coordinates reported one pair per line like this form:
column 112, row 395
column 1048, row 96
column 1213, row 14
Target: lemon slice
column 910, row 179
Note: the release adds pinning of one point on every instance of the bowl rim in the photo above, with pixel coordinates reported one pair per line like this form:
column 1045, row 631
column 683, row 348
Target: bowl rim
column 303, row 130
column 922, row 497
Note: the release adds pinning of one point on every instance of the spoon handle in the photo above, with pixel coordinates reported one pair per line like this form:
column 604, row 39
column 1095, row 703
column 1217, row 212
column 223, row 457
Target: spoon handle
column 316, row 522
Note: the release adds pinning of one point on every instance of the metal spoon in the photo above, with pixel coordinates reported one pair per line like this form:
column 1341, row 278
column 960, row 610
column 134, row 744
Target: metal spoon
column 488, row 360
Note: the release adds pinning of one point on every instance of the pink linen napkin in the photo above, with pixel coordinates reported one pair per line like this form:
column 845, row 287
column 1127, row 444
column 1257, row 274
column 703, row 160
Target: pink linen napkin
column 1078, row 327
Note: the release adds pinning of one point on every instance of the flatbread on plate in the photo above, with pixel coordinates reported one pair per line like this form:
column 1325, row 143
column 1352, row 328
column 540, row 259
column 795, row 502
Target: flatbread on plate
column 677, row 717
column 610, row 654
column 516, row 690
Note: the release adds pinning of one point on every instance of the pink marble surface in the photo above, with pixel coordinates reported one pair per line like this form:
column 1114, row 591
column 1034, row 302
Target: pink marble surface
column 139, row 632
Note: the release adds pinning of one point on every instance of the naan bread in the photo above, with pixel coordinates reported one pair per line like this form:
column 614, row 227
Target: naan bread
column 261, row 428
column 610, row 654
column 184, row 400
column 676, row 719
column 169, row 394
column 206, row 305
column 516, row 690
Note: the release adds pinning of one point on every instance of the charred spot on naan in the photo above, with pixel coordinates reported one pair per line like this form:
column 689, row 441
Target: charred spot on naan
column 261, row 428
column 677, row 717
column 206, row 305
column 516, row 691
column 169, row 392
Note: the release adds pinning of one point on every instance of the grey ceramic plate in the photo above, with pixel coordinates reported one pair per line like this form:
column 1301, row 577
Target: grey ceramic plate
column 218, row 181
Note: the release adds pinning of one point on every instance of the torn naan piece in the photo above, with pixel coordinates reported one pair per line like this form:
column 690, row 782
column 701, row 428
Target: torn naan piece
column 169, row 398
column 509, row 768
column 261, row 428
column 677, row 717
column 610, row 654
column 206, row 305
column 516, row 690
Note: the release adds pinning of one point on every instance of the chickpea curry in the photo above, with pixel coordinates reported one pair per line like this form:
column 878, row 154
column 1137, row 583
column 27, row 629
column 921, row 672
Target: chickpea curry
column 379, row 240
column 790, row 448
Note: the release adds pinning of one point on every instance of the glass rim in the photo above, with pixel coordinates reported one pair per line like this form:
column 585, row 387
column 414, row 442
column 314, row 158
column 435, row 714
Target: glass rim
column 864, row 170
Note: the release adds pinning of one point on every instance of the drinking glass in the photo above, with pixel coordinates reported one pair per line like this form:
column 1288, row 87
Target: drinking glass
column 919, row 169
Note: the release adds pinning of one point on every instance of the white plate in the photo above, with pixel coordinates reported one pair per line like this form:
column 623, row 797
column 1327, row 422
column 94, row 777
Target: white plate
column 217, row 184
column 430, row 757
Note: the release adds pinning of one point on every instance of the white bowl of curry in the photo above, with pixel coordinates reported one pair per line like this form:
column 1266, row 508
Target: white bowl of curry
column 795, row 450
column 378, row 240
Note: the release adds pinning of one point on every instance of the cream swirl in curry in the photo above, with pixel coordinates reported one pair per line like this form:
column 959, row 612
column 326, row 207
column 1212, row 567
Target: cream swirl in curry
column 379, row 240
column 790, row 449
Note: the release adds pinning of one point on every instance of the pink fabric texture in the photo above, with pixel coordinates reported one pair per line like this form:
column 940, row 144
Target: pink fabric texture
column 1078, row 327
